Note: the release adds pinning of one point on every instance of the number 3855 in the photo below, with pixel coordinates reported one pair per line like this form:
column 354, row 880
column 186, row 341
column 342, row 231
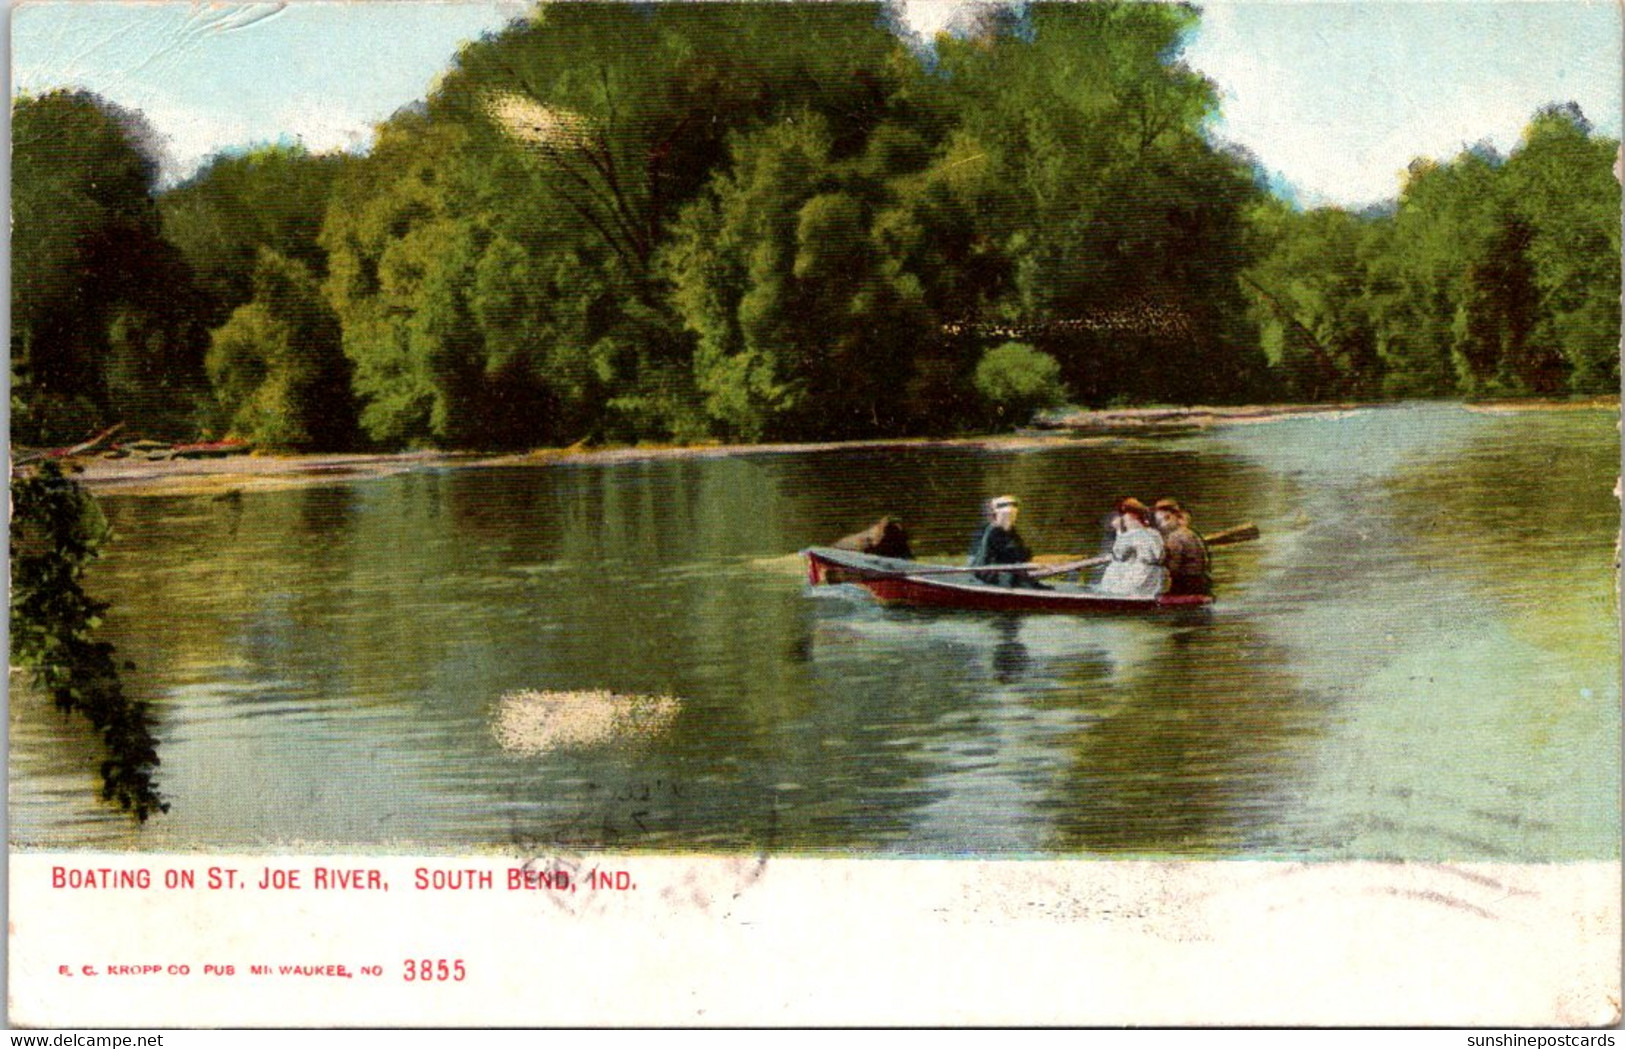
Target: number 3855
column 434, row 970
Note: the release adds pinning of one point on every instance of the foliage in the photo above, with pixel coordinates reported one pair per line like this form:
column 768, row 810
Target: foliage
column 1121, row 227
column 626, row 109
column 470, row 317
column 277, row 366
column 802, row 323
column 684, row 221
column 56, row 532
column 1566, row 202
column 222, row 218
column 1017, row 380
column 1308, row 305
column 1490, row 276
column 103, row 328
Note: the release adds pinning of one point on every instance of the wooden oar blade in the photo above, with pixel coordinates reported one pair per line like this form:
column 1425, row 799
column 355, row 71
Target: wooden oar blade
column 1239, row 534
column 1071, row 566
column 1060, row 564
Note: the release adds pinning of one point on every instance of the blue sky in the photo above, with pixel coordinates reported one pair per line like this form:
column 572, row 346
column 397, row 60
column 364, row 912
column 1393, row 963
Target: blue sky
column 209, row 77
column 1335, row 98
column 1339, row 97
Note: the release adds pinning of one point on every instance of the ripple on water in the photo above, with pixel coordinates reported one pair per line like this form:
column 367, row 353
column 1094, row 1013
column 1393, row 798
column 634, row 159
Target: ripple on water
column 326, row 664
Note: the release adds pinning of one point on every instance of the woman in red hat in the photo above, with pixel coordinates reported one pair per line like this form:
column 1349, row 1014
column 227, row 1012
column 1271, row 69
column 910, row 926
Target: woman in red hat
column 1137, row 554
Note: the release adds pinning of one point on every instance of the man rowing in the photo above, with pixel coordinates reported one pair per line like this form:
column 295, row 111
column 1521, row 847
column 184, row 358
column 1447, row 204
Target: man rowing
column 998, row 543
column 1185, row 555
column 885, row 538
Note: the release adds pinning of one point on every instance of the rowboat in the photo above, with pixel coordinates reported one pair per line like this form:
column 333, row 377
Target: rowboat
column 897, row 582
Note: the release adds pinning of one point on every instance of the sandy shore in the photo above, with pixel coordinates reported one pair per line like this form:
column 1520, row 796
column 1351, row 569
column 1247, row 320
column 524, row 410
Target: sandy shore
column 260, row 472
column 1589, row 404
column 250, row 472
column 1119, row 420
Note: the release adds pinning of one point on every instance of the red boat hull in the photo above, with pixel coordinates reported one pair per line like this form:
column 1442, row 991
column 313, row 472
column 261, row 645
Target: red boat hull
column 888, row 580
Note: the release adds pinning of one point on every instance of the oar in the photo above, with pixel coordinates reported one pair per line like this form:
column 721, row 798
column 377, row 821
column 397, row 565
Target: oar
column 1229, row 537
column 1037, row 568
column 1070, row 566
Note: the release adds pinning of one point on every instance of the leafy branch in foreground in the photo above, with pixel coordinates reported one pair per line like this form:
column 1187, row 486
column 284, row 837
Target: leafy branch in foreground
column 56, row 532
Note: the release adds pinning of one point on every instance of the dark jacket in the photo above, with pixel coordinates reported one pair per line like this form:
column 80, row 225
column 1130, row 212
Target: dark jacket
column 885, row 538
column 1187, row 562
column 993, row 545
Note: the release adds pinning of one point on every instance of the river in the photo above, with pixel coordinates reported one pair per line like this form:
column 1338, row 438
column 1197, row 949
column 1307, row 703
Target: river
column 1418, row 660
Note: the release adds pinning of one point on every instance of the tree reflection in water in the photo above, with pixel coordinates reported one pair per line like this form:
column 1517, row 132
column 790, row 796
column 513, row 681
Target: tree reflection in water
column 1201, row 756
column 327, row 663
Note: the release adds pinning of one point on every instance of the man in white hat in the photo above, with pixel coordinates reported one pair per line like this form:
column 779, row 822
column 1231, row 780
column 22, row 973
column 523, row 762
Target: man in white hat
column 998, row 543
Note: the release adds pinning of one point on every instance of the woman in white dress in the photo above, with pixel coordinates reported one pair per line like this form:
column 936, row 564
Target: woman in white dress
column 1137, row 555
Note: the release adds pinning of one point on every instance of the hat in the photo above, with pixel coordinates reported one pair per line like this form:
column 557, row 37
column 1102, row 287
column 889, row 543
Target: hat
column 1133, row 506
column 999, row 502
column 1171, row 505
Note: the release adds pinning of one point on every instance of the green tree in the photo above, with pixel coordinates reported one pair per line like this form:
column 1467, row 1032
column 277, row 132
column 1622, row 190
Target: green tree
column 277, row 365
column 1565, row 201
column 103, row 328
column 1495, row 275
column 803, row 325
column 1120, row 225
column 474, row 310
column 1016, row 380
column 730, row 266
column 1408, row 306
column 494, row 263
column 1309, row 289
column 398, row 258
column 627, row 108
column 273, row 197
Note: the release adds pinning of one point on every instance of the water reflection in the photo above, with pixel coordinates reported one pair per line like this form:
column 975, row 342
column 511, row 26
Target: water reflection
column 326, row 664
column 1202, row 755
column 1010, row 658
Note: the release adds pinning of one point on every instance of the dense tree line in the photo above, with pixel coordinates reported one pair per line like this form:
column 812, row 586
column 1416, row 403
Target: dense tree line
column 1490, row 275
column 102, row 322
column 684, row 221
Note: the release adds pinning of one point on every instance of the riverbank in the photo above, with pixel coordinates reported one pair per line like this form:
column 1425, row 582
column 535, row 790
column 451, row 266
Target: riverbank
column 1515, row 407
column 127, row 476
column 1162, row 419
column 1120, row 420
column 268, row 472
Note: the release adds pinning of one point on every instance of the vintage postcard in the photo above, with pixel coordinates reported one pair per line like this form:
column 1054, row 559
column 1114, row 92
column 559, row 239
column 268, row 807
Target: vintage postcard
column 814, row 513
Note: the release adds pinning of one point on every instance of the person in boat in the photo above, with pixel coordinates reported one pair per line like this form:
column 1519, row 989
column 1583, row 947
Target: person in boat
column 885, row 538
column 1185, row 555
column 1136, row 568
column 998, row 543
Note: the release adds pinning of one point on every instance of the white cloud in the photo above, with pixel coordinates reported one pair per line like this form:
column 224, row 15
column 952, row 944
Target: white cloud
column 1335, row 98
column 1339, row 99
column 930, row 17
column 322, row 126
column 189, row 135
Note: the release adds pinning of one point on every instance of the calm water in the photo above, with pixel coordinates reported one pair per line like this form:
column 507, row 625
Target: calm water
column 1418, row 660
